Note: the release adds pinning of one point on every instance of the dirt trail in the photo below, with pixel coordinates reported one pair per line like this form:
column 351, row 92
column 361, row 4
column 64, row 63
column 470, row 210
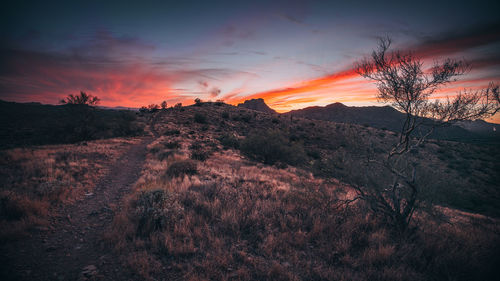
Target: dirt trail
column 73, row 247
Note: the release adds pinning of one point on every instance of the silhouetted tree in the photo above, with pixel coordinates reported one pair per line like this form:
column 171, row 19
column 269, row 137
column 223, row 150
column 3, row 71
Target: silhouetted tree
column 402, row 80
column 198, row 102
column 82, row 99
column 153, row 107
column 164, row 105
column 82, row 110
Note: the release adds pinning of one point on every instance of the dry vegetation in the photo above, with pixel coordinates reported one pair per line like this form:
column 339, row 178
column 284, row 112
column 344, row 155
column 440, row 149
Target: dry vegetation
column 204, row 210
column 35, row 181
column 228, row 193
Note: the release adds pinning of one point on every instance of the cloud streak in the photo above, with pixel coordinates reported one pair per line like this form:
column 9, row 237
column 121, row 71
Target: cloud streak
column 120, row 70
column 342, row 85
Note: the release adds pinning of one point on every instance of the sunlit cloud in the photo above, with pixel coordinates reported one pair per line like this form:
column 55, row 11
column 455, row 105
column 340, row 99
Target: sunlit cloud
column 347, row 87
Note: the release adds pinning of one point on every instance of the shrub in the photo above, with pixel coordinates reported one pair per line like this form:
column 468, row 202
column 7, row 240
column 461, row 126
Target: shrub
column 246, row 117
column 172, row 144
column 272, row 146
column 10, row 209
column 200, row 118
column 229, row 141
column 172, row 132
column 225, row 115
column 314, row 154
column 156, row 210
column 164, row 155
column 200, row 155
column 183, row 167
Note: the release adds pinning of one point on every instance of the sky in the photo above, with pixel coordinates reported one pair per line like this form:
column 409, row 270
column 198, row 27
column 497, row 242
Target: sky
column 293, row 54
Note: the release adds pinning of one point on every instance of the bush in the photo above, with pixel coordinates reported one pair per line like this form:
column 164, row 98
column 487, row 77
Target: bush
column 229, row 141
column 200, row 118
column 225, row 115
column 315, row 154
column 172, row 132
column 164, row 155
column 156, row 210
column 183, row 167
column 272, row 146
column 246, row 117
column 172, row 144
column 200, row 155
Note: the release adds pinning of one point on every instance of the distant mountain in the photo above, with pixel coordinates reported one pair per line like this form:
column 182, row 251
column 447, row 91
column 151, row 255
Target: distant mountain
column 119, row 108
column 480, row 126
column 258, row 105
column 386, row 117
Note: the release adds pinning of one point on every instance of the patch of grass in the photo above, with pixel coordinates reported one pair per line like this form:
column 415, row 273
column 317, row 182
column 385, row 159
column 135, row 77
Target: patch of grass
column 271, row 146
column 182, row 167
column 267, row 224
column 33, row 181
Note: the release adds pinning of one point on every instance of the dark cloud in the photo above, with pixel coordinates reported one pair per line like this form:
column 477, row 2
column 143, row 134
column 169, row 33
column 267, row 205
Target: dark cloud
column 452, row 42
column 204, row 84
column 214, row 92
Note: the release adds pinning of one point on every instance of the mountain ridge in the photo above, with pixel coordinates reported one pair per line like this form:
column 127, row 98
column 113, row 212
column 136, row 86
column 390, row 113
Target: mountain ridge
column 387, row 117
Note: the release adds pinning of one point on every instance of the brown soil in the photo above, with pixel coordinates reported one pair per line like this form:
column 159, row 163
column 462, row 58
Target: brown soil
column 72, row 247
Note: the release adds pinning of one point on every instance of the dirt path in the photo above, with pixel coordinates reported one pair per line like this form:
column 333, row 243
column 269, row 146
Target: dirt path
column 73, row 247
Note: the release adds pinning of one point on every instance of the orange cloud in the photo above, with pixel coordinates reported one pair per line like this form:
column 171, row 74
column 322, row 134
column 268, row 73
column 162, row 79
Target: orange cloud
column 280, row 97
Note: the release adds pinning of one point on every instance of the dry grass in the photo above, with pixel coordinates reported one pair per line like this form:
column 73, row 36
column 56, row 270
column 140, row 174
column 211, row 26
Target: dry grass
column 33, row 180
column 236, row 219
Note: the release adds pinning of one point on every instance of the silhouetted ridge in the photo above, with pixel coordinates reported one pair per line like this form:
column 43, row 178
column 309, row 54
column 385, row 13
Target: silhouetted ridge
column 386, row 117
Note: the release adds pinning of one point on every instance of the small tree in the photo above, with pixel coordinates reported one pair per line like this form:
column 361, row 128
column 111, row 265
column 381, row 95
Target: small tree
column 164, row 105
column 82, row 99
column 82, row 110
column 403, row 81
column 153, row 107
column 198, row 102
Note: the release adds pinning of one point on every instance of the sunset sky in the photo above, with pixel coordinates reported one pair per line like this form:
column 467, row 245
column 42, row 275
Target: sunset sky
column 293, row 54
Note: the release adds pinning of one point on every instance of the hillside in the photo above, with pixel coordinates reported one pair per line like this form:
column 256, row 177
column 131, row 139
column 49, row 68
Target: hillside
column 229, row 193
column 25, row 124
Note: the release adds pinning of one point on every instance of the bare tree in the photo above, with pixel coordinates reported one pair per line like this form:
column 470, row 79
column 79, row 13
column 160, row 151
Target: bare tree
column 403, row 81
column 82, row 99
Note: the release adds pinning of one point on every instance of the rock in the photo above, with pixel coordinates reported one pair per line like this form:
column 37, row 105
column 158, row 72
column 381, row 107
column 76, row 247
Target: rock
column 258, row 105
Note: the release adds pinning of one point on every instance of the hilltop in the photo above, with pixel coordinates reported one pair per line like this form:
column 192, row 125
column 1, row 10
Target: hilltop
column 230, row 193
column 258, row 105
